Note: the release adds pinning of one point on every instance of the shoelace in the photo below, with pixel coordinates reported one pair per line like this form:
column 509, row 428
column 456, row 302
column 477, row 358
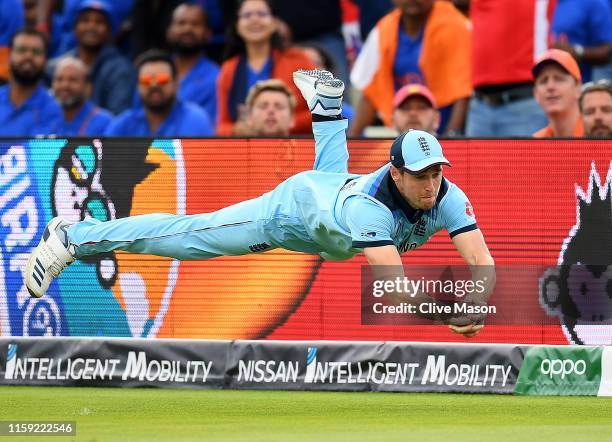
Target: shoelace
column 56, row 264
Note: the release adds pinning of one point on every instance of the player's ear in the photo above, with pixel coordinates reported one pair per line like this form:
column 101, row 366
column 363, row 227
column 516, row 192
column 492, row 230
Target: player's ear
column 396, row 174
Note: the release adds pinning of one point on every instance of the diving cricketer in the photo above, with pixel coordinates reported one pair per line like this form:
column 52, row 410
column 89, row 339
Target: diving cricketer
column 327, row 211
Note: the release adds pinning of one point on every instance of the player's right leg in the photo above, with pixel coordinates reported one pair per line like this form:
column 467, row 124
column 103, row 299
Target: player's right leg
column 323, row 94
column 234, row 230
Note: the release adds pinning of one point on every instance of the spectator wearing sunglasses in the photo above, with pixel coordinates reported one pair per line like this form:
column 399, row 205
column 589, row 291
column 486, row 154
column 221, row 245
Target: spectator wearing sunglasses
column 26, row 107
column 596, row 109
column 162, row 114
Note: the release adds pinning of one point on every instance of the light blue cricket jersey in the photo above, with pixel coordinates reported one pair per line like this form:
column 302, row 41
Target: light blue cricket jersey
column 325, row 211
column 339, row 214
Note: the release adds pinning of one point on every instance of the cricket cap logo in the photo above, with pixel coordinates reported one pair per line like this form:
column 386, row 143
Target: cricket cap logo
column 579, row 289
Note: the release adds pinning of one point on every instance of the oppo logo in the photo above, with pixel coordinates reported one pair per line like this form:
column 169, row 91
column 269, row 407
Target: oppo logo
column 563, row 367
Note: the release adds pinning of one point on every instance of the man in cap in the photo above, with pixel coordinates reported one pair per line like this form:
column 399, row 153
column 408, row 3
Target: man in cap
column 325, row 211
column 596, row 108
column 112, row 75
column 557, row 89
column 414, row 107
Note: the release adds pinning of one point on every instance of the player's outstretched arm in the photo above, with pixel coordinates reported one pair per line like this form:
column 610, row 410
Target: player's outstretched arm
column 323, row 94
column 473, row 249
column 387, row 266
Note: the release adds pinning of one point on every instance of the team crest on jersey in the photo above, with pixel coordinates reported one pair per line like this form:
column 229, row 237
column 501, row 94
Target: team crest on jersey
column 579, row 290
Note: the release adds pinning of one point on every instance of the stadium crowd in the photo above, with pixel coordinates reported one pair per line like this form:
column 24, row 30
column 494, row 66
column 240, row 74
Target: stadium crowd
column 169, row 68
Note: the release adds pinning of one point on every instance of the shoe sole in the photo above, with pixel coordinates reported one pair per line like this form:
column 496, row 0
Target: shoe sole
column 324, row 85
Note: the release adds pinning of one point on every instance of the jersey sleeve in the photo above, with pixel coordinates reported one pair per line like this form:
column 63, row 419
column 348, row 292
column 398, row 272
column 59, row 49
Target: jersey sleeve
column 369, row 223
column 457, row 212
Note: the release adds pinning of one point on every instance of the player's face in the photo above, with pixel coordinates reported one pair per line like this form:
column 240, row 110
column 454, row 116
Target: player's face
column 556, row 90
column 188, row 28
column 156, row 86
column 69, row 86
column 416, row 113
column 255, row 22
column 597, row 114
column 271, row 114
column 420, row 191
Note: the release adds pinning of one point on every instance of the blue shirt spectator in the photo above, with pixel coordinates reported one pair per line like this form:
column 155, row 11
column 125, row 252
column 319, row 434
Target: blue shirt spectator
column 199, row 86
column 90, row 121
column 186, row 36
column 11, row 21
column 582, row 24
column 185, row 120
column 38, row 115
column 111, row 74
column 63, row 24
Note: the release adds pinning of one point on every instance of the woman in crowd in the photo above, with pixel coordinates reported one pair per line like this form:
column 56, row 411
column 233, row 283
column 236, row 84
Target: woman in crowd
column 255, row 52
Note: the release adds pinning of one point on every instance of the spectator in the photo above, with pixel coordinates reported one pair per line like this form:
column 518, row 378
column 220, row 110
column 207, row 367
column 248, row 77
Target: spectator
column 414, row 107
column 26, row 107
column 419, row 42
column 111, row 74
column 503, row 103
column 596, row 108
column 11, row 21
column 197, row 75
column 557, row 90
column 71, row 89
column 161, row 114
column 270, row 107
column 305, row 22
column 157, row 14
column 255, row 53
column 584, row 29
column 61, row 22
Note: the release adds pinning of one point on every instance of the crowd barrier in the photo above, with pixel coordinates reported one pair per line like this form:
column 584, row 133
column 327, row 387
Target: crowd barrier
column 535, row 201
column 308, row 365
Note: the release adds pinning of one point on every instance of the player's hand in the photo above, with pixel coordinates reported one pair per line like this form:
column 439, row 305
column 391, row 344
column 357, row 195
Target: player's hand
column 468, row 331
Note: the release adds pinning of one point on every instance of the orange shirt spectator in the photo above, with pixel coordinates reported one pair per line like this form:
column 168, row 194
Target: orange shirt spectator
column 443, row 63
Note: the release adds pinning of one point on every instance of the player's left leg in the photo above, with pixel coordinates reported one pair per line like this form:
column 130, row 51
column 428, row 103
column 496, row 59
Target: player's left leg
column 234, row 230
column 323, row 94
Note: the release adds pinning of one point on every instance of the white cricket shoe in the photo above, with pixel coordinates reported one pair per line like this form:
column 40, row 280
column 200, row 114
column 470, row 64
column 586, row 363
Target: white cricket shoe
column 52, row 255
column 322, row 92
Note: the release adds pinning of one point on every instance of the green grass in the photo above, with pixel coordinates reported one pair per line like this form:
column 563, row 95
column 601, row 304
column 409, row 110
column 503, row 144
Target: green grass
column 113, row 414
